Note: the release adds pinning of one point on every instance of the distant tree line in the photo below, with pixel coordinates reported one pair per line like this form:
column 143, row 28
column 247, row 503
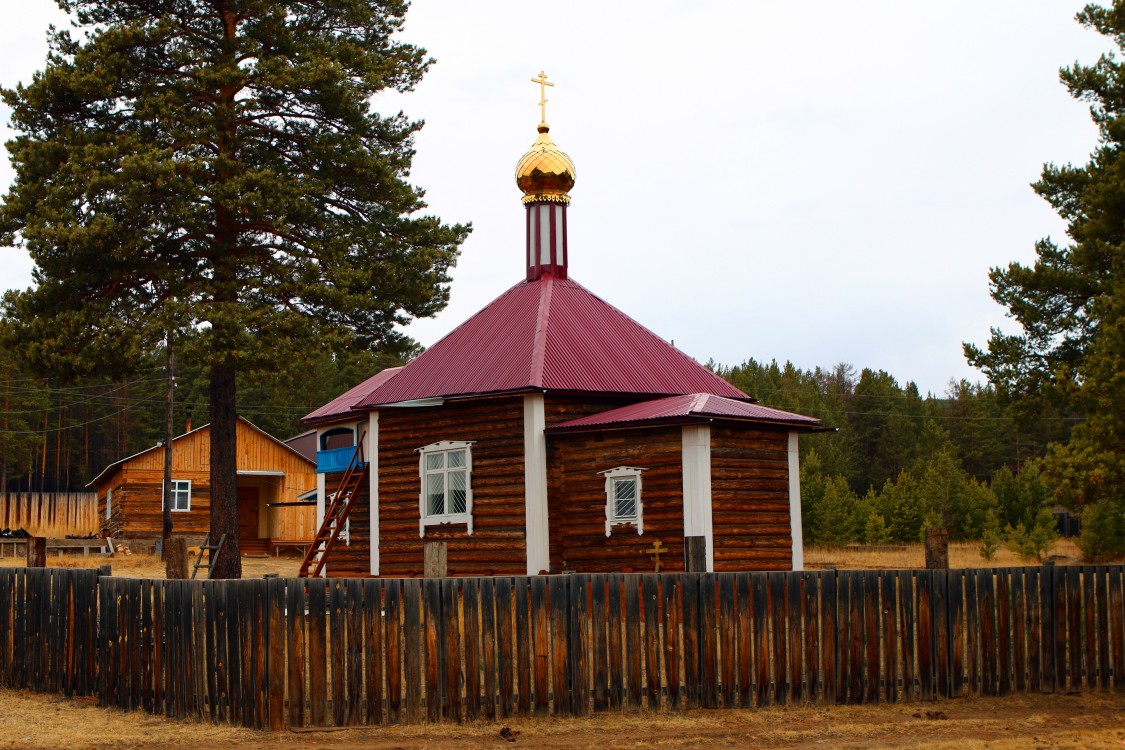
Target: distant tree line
column 59, row 435
column 899, row 463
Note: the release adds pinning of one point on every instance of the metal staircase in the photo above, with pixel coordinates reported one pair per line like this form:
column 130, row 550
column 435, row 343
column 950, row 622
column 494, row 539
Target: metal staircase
column 336, row 516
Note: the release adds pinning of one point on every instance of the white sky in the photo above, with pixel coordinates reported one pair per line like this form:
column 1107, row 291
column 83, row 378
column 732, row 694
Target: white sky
column 807, row 181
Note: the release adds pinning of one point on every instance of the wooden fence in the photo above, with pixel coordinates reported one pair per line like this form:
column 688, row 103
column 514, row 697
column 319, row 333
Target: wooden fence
column 51, row 514
column 277, row 652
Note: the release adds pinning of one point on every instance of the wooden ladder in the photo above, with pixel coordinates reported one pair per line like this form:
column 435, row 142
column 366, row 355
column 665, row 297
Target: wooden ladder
column 336, row 515
column 212, row 549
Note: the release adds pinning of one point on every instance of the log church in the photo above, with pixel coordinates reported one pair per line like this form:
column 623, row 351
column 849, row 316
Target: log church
column 550, row 432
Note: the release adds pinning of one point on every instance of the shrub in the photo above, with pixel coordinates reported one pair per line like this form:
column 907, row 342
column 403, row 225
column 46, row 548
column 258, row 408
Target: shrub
column 1033, row 542
column 875, row 531
column 991, row 536
column 1103, row 532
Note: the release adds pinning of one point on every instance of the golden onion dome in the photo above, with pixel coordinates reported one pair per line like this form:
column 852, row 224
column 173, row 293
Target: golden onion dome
column 545, row 173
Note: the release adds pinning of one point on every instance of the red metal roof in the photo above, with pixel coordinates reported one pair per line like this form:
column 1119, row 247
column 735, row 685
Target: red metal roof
column 342, row 405
column 550, row 334
column 680, row 408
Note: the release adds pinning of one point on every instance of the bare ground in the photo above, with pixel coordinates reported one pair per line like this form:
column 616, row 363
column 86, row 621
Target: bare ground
column 1078, row 722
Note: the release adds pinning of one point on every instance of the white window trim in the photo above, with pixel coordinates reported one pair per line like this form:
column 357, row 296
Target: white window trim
column 173, row 490
column 611, row 519
column 466, row 518
column 109, row 503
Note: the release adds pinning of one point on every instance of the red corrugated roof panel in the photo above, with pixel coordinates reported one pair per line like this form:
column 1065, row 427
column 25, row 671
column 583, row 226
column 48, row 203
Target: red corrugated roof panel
column 688, row 407
column 550, row 334
column 343, row 404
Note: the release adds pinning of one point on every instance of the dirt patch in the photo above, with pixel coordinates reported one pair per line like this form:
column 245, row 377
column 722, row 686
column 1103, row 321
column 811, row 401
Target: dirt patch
column 1063, row 722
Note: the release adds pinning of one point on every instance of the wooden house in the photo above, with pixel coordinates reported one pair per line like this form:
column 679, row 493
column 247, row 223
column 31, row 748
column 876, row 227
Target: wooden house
column 271, row 477
column 549, row 433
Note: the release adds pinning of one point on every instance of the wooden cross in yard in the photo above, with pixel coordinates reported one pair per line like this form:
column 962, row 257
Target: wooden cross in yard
column 654, row 553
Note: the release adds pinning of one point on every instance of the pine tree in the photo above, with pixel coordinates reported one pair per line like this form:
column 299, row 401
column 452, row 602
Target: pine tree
column 1070, row 302
column 215, row 165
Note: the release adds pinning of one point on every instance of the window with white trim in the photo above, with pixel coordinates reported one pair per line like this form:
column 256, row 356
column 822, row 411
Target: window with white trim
column 181, row 495
column 109, row 504
column 445, row 470
column 623, row 498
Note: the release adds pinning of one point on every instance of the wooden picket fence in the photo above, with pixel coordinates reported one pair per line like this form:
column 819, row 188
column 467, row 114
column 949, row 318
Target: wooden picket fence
column 51, row 514
column 297, row 652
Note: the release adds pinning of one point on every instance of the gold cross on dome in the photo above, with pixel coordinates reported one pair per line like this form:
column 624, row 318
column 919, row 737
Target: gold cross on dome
column 543, row 84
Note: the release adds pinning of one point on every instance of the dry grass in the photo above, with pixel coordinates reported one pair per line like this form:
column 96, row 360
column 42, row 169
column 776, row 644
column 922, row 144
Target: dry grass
column 961, row 555
column 151, row 566
column 1092, row 722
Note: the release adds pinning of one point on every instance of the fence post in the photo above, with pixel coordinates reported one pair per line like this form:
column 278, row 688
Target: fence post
column 937, row 549
column 37, row 552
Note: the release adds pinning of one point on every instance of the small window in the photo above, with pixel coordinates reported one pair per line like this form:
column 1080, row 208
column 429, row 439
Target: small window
column 337, row 437
column 445, row 471
column 181, row 495
column 623, row 498
column 109, row 504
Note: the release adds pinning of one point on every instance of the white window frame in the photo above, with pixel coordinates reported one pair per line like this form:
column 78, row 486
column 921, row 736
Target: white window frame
column 175, row 486
column 109, row 503
column 435, row 519
column 612, row 477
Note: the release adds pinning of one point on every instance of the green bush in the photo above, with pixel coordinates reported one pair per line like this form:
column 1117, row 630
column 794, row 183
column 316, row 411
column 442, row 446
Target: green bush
column 991, row 536
column 1033, row 542
column 875, row 531
column 1103, row 532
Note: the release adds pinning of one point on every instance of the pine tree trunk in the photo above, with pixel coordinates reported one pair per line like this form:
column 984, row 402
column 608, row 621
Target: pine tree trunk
column 224, row 469
column 172, row 564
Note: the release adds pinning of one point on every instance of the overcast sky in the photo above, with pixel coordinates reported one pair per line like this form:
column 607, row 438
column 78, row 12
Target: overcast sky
column 807, row 181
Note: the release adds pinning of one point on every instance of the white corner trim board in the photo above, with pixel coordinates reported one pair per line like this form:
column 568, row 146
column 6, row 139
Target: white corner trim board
column 697, row 487
column 371, row 452
column 535, row 484
column 795, row 503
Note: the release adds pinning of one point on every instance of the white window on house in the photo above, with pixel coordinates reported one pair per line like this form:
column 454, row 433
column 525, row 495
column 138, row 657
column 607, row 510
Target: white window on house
column 446, row 469
column 623, row 498
column 181, row 495
column 108, row 503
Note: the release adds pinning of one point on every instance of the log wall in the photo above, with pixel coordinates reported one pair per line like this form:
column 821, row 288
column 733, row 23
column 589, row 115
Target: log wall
column 750, row 499
column 578, row 500
column 497, row 546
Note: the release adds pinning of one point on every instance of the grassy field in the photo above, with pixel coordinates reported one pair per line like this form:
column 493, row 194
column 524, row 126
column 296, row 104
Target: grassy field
column 961, row 555
column 1086, row 722
column 816, row 558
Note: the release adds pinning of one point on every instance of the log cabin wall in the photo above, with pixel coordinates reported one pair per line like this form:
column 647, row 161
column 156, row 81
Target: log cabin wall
column 137, row 486
column 351, row 554
column 578, row 500
column 750, row 499
column 497, row 545
column 560, row 407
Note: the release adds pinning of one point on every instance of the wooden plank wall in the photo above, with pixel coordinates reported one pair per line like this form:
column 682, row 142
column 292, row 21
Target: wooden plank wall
column 340, row 652
column 49, row 630
column 497, row 543
column 50, row 514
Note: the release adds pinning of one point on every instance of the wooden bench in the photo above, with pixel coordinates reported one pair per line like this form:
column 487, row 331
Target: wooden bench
column 69, row 546
column 300, row 545
column 14, row 546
